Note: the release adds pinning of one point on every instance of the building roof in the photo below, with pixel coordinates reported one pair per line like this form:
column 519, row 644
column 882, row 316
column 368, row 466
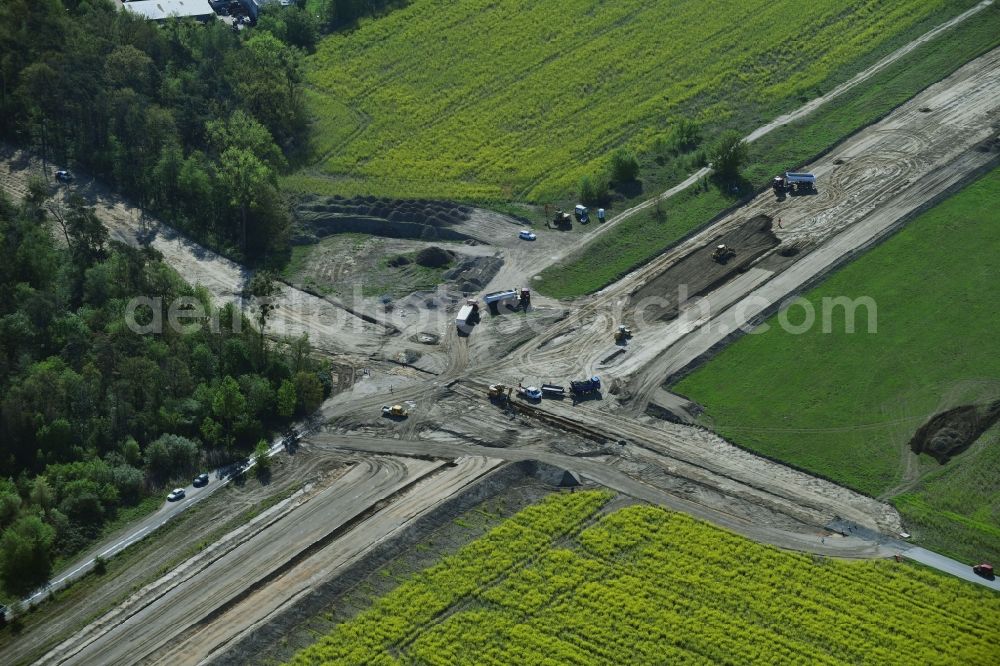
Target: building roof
column 157, row 10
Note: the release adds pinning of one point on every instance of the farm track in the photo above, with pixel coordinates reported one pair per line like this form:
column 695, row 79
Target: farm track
column 888, row 172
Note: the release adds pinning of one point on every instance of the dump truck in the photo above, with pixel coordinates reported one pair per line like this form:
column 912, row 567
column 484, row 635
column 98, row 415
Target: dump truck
column 585, row 386
column 623, row 334
column 723, row 253
column 562, row 219
column 498, row 298
column 794, row 182
column 468, row 316
column 395, row 412
column 553, row 391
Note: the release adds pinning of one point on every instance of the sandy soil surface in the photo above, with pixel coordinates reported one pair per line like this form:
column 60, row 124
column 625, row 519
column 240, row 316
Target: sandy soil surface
column 698, row 272
column 596, row 468
column 206, row 640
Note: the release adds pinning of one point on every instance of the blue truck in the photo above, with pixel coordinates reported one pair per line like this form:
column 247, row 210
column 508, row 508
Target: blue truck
column 586, row 386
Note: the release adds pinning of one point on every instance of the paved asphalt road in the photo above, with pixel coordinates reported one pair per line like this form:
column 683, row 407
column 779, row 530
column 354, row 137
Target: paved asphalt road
column 948, row 565
column 142, row 528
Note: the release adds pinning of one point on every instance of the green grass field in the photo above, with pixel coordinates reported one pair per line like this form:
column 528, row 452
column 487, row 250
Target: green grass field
column 845, row 405
column 956, row 508
column 485, row 100
column 644, row 236
column 643, row 585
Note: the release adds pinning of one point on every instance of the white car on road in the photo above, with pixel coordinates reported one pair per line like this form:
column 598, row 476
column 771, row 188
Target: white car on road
column 177, row 494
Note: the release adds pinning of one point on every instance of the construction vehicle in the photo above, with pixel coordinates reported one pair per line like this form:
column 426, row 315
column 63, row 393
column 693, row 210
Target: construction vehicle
column 582, row 214
column 395, row 412
column 529, row 392
column 723, row 253
column 499, row 393
column 498, row 298
column 562, row 219
column 468, row 316
column 623, row 334
column 553, row 391
column 525, row 298
column 983, row 569
column 793, row 182
column 586, row 386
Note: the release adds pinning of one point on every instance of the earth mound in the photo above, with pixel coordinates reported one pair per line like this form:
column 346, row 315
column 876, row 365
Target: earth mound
column 317, row 217
column 434, row 257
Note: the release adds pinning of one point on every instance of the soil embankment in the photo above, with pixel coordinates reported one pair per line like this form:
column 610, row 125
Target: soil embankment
column 318, row 217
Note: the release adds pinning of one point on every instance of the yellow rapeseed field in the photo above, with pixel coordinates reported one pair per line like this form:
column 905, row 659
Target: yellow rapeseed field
column 647, row 586
column 517, row 99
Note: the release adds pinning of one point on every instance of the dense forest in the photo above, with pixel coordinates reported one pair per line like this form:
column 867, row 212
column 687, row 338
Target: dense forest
column 192, row 121
column 95, row 416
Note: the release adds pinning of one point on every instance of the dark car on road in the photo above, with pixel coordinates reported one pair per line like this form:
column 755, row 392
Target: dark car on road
column 200, row 480
column 64, row 176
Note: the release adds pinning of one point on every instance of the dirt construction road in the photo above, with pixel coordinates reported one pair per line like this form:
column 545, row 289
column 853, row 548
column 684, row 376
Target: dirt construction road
column 209, row 605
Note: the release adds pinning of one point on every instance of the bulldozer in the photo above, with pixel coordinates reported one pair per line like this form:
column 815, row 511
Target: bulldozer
column 395, row 412
column 723, row 253
column 623, row 334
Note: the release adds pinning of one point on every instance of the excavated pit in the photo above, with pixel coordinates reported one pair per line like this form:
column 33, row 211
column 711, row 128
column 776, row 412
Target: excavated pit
column 949, row 433
column 697, row 273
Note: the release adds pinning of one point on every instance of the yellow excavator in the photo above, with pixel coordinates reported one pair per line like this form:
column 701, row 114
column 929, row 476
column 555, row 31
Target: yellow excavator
column 499, row 393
